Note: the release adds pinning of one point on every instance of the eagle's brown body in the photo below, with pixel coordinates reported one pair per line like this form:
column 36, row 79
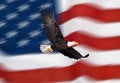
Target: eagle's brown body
column 57, row 40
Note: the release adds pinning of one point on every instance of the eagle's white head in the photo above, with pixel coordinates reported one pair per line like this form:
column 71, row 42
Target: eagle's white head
column 72, row 43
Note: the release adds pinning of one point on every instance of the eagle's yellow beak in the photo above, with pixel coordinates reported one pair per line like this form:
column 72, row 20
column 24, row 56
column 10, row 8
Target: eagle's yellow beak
column 76, row 43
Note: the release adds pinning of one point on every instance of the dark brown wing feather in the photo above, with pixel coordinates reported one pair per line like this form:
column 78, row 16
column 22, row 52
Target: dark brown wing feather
column 72, row 53
column 52, row 30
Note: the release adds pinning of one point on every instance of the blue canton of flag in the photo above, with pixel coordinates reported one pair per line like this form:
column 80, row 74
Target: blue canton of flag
column 21, row 30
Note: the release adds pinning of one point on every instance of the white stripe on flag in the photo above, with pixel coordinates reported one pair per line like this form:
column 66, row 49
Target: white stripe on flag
column 92, row 27
column 108, row 4
column 35, row 61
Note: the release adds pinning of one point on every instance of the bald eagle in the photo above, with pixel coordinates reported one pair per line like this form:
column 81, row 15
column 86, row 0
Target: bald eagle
column 56, row 38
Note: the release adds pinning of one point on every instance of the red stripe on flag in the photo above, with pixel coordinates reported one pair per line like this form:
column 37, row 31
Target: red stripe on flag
column 1, row 73
column 64, row 73
column 95, row 41
column 91, row 11
column 1, row 70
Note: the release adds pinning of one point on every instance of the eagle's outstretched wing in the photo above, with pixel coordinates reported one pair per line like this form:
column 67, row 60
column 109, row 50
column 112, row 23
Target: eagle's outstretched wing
column 52, row 30
column 72, row 53
column 50, row 26
column 54, row 34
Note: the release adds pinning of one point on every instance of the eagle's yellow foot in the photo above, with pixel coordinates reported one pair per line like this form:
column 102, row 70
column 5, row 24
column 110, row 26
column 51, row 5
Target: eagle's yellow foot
column 50, row 50
column 46, row 48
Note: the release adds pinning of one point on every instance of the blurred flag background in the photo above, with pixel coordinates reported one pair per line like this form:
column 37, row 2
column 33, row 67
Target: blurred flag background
column 95, row 24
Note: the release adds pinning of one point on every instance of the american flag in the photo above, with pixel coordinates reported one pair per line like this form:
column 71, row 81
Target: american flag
column 92, row 23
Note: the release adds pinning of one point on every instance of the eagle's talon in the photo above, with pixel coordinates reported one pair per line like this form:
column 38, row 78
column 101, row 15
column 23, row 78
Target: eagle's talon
column 50, row 50
column 46, row 48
